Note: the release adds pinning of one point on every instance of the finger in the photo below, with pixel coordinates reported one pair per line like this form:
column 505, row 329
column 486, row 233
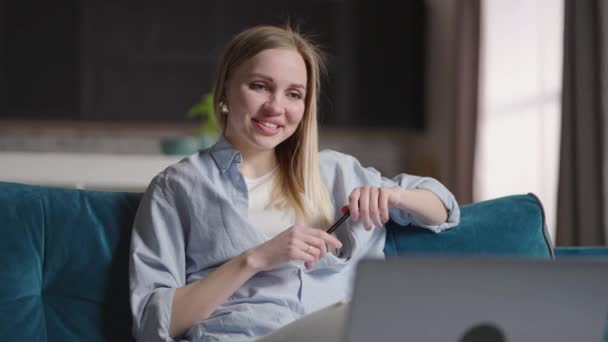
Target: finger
column 327, row 238
column 364, row 208
column 383, row 204
column 318, row 243
column 373, row 207
column 312, row 250
column 298, row 253
column 309, row 265
column 353, row 204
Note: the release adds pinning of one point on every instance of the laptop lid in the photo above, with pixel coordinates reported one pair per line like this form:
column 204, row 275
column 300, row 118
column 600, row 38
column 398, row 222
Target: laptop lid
column 465, row 299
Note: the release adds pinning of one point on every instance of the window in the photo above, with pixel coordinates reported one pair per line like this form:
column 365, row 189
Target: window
column 520, row 101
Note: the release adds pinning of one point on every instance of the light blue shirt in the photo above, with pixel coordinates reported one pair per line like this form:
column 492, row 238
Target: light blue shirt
column 193, row 218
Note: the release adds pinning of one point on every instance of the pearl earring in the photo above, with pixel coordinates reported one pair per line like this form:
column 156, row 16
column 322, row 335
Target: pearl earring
column 223, row 108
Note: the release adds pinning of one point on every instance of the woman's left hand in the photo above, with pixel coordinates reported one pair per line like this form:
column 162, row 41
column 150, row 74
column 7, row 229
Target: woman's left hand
column 370, row 204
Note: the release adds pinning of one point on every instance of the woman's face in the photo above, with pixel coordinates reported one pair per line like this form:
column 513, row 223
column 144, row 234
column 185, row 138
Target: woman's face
column 265, row 97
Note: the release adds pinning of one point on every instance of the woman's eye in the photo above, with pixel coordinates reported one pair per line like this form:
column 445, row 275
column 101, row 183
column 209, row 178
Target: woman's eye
column 295, row 95
column 257, row 86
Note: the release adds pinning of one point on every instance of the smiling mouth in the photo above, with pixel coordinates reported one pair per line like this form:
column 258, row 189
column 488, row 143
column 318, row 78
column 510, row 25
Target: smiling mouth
column 267, row 124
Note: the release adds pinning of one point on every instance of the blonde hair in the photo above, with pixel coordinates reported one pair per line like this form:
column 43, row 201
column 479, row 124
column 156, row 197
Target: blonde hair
column 298, row 156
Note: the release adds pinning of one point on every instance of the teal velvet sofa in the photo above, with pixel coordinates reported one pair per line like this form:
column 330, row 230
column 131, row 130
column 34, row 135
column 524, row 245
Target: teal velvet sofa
column 64, row 255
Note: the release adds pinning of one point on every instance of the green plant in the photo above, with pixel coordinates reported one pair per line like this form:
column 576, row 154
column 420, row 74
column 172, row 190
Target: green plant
column 204, row 110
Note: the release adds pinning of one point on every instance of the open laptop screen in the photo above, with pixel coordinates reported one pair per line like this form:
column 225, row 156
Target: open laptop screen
column 485, row 299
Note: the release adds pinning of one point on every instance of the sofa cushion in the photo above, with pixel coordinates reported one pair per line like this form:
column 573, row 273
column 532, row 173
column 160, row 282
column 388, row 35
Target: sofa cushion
column 64, row 255
column 64, row 263
column 512, row 225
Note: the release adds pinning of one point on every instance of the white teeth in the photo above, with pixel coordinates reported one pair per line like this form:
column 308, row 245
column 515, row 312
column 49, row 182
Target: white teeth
column 268, row 124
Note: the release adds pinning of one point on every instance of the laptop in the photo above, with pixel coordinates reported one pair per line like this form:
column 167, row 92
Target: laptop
column 466, row 299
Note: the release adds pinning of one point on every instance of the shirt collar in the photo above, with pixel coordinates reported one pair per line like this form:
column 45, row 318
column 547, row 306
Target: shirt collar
column 225, row 154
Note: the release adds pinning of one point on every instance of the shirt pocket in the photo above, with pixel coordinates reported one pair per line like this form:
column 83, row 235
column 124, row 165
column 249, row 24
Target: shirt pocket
column 329, row 264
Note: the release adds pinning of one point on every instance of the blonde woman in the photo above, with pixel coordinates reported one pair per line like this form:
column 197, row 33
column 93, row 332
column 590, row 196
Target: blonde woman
column 230, row 243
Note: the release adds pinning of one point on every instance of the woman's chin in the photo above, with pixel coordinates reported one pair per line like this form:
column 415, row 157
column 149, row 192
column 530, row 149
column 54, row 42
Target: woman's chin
column 267, row 143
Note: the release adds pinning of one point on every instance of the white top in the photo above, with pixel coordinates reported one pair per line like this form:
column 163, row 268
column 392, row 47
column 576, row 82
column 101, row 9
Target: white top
column 269, row 221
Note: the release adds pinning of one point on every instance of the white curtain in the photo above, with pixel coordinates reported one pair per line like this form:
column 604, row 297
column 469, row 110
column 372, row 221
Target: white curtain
column 519, row 103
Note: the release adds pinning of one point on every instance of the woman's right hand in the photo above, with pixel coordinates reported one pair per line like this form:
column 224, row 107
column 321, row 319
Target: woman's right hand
column 296, row 243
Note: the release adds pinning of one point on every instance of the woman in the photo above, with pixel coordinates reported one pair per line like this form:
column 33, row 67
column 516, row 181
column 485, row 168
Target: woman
column 230, row 243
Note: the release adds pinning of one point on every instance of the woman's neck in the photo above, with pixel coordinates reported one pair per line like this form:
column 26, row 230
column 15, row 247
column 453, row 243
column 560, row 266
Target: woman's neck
column 257, row 164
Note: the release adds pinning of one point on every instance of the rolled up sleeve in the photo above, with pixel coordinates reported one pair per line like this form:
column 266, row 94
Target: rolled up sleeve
column 157, row 262
column 416, row 182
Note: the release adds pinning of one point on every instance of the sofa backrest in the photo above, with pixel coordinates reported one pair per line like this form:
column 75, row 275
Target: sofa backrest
column 64, row 256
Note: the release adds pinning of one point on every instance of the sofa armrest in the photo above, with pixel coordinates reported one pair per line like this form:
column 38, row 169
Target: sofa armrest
column 508, row 226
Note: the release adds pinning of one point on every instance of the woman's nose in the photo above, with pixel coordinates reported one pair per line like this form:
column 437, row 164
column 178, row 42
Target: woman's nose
column 273, row 106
